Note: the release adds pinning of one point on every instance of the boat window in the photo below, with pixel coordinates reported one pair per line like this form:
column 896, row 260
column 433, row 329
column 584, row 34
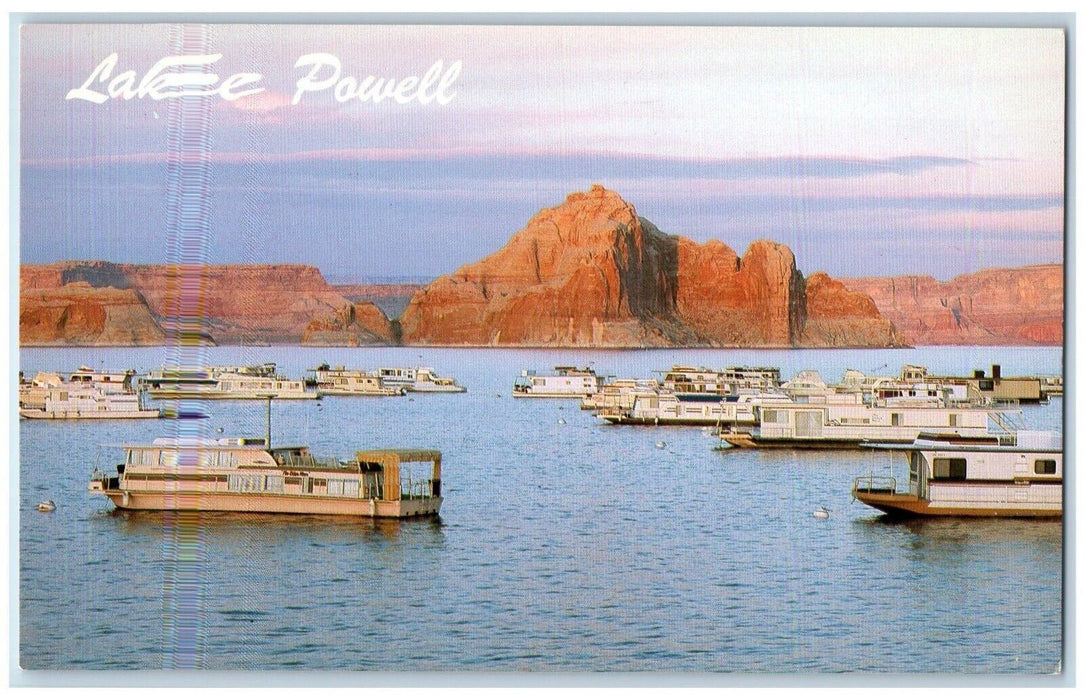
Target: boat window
column 895, row 419
column 769, row 416
column 167, row 458
column 350, row 488
column 246, row 482
column 274, row 484
column 950, row 468
column 913, row 467
column 953, row 420
column 1044, row 466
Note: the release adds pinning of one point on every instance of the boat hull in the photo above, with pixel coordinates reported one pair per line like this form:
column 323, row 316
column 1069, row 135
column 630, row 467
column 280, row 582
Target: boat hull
column 636, row 420
column 227, row 395
column 273, row 503
column 909, row 506
column 41, row 414
column 748, row 441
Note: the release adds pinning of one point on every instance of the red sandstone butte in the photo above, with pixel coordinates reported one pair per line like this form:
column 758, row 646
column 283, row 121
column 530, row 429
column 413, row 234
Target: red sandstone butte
column 590, row 272
column 1001, row 306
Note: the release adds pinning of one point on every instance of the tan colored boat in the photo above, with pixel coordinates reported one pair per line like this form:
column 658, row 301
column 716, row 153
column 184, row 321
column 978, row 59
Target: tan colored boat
column 245, row 476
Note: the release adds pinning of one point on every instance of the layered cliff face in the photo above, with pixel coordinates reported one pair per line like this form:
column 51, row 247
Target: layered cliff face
column 78, row 314
column 590, row 272
column 839, row 317
column 999, row 307
column 204, row 303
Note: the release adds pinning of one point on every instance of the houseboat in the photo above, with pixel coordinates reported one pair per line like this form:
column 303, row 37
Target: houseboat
column 832, row 425
column 564, row 383
column 232, row 383
column 730, row 380
column 76, row 402
column 338, row 381
column 1015, row 475
column 83, row 395
column 108, row 381
column 662, row 408
column 419, row 379
column 245, row 475
column 618, row 394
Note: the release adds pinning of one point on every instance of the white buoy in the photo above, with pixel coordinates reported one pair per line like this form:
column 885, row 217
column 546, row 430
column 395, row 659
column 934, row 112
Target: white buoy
column 822, row 512
column 661, row 444
column 47, row 506
column 561, row 421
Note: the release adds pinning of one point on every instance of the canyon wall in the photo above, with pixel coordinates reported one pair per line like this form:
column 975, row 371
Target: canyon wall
column 1003, row 306
column 246, row 304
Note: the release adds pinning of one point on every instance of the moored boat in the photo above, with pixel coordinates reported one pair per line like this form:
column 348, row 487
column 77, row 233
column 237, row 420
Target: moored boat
column 419, row 379
column 84, row 394
column 565, row 383
column 835, row 425
column 227, row 383
column 339, row 381
column 1019, row 475
column 247, row 476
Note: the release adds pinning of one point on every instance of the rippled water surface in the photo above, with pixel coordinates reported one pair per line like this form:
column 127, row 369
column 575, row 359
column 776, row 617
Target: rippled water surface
column 575, row 546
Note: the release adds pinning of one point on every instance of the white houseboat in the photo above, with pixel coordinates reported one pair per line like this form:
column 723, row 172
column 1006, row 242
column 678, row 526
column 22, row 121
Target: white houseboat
column 83, row 395
column 338, row 381
column 75, row 402
column 661, row 408
column 420, row 379
column 565, row 383
column 730, row 380
column 252, row 382
column 247, row 476
column 833, row 425
column 1018, row 475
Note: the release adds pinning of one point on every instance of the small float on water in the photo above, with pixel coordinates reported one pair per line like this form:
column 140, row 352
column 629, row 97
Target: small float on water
column 47, row 506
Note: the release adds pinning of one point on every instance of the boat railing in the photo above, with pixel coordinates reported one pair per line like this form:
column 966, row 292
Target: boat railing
column 308, row 462
column 417, row 488
column 872, row 483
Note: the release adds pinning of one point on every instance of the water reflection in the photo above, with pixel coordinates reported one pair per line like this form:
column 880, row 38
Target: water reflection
column 274, row 528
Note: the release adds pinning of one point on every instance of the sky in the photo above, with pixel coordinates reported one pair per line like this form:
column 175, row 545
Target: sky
column 868, row 151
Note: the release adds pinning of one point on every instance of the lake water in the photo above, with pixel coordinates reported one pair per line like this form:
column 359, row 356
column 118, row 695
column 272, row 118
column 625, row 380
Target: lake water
column 573, row 547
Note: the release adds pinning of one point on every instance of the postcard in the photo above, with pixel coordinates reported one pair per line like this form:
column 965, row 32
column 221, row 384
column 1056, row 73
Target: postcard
column 541, row 347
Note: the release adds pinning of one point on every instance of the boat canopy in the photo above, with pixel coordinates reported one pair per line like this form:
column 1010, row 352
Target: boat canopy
column 398, row 455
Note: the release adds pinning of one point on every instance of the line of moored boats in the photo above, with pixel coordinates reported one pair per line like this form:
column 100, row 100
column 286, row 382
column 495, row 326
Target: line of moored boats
column 967, row 453
column 99, row 394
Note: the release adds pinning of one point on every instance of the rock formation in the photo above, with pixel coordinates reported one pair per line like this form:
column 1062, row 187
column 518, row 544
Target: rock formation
column 590, row 272
column 199, row 303
column 1017, row 306
column 78, row 314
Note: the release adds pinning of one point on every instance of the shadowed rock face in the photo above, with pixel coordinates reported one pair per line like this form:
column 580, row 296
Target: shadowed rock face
column 590, row 272
column 1016, row 306
column 202, row 303
column 78, row 314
